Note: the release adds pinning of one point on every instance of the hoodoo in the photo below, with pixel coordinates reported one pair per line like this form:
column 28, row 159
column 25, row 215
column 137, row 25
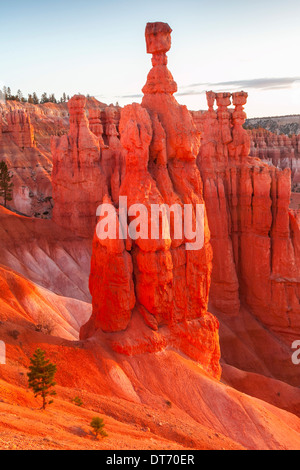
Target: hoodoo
column 78, row 182
column 152, row 292
column 281, row 150
column 254, row 235
column 156, row 289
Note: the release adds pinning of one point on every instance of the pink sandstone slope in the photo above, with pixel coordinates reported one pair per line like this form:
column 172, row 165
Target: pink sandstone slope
column 161, row 400
column 45, row 254
column 27, row 304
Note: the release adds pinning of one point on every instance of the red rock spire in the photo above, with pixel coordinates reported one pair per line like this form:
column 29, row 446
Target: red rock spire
column 77, row 179
column 158, row 42
column 157, row 288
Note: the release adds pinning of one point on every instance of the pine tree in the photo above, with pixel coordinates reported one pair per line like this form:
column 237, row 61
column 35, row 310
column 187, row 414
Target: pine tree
column 44, row 98
column 77, row 401
column 98, row 427
column 19, row 95
column 35, row 98
column 52, row 98
column 30, row 99
column 41, row 375
column 5, row 183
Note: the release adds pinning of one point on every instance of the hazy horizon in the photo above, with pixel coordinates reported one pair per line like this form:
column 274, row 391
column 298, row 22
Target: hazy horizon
column 98, row 48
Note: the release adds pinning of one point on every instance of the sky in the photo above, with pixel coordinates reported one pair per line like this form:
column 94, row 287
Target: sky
column 98, row 48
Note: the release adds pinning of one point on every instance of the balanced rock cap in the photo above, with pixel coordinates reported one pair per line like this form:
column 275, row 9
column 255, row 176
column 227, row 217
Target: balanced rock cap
column 158, row 37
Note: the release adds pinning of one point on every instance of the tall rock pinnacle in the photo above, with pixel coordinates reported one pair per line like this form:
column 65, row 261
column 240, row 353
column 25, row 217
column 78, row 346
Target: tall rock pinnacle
column 163, row 283
column 78, row 182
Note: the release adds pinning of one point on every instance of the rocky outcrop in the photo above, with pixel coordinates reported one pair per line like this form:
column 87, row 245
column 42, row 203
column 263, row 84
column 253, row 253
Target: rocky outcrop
column 155, row 287
column 46, row 254
column 17, row 124
column 28, row 163
column 255, row 237
column 280, row 150
column 95, row 125
column 1, row 127
column 150, row 293
column 87, row 164
column 77, row 179
column 287, row 125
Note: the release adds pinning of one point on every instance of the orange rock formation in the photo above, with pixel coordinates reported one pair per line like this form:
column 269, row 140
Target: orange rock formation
column 25, row 135
column 76, row 171
column 281, row 150
column 30, row 165
column 254, row 235
column 158, row 279
column 20, row 128
column 87, row 164
column 150, row 296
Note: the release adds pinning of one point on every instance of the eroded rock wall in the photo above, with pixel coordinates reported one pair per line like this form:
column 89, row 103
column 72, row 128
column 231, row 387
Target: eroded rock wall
column 158, row 280
column 281, row 151
column 255, row 236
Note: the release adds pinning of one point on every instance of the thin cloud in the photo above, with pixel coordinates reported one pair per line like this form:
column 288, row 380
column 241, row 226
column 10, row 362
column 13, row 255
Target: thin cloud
column 138, row 95
column 255, row 83
column 190, row 92
column 282, row 87
column 261, row 83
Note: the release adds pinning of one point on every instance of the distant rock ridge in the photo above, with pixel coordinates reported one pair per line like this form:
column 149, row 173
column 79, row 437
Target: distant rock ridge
column 87, row 164
column 289, row 124
column 18, row 125
column 25, row 145
column 282, row 151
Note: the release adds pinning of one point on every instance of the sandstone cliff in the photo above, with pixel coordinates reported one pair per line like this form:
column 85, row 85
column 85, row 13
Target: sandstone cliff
column 159, row 279
column 150, row 296
column 25, row 145
column 25, row 131
column 254, row 235
column 280, row 150
column 87, row 164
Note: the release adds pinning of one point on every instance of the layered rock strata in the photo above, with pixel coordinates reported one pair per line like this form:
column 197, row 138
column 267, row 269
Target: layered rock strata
column 281, row 151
